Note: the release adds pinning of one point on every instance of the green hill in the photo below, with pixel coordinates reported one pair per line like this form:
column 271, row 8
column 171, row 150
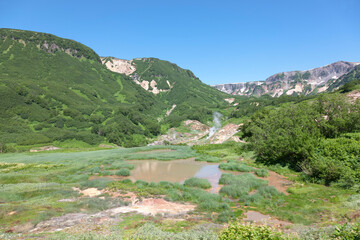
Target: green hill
column 54, row 89
column 57, row 89
column 193, row 99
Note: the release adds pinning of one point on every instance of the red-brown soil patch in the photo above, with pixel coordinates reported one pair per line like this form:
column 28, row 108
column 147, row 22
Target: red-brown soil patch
column 278, row 181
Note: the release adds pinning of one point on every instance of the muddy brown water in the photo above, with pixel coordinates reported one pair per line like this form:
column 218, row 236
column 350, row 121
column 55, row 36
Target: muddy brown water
column 175, row 171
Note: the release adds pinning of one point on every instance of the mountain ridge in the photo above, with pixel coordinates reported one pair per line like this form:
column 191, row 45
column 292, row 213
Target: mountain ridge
column 304, row 82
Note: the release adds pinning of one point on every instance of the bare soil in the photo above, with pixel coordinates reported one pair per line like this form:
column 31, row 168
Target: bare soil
column 279, row 182
column 261, row 219
column 147, row 206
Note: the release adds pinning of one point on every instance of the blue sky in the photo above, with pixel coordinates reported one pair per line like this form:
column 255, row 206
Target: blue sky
column 220, row 41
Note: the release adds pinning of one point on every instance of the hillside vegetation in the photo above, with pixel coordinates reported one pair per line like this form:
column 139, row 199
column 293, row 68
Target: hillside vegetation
column 55, row 89
column 320, row 137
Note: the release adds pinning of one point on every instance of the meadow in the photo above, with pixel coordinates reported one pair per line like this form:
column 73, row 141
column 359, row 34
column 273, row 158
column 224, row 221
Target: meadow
column 36, row 187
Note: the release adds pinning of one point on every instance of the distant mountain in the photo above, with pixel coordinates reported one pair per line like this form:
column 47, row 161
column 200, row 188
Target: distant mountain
column 295, row 82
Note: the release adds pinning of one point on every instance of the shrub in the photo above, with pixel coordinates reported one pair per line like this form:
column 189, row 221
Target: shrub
column 238, row 231
column 336, row 161
column 348, row 232
column 261, row 172
column 123, row 172
column 353, row 202
column 197, row 182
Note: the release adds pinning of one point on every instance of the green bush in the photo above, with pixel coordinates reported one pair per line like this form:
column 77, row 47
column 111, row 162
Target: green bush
column 123, row 172
column 347, row 232
column 239, row 231
column 336, row 161
column 197, row 182
column 261, row 172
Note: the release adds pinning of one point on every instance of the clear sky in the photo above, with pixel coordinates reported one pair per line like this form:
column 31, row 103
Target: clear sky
column 220, row 41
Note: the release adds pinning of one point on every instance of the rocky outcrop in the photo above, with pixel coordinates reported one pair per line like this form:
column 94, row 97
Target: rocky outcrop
column 294, row 82
column 118, row 65
column 128, row 67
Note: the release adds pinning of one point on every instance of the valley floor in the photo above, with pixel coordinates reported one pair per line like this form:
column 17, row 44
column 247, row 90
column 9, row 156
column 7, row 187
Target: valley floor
column 89, row 195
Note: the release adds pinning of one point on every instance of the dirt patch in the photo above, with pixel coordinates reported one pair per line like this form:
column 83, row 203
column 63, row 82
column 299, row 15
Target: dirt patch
column 230, row 100
column 23, row 228
column 196, row 125
column 224, row 133
column 259, row 218
column 119, row 65
column 149, row 206
column 45, row 148
column 172, row 108
column 106, row 146
column 278, row 181
column 153, row 206
column 354, row 95
column 89, row 192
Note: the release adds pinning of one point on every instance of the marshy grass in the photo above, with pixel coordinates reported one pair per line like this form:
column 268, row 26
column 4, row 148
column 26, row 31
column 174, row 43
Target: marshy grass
column 239, row 185
column 263, row 192
column 235, row 166
column 99, row 183
column 197, row 182
column 123, row 172
column 261, row 172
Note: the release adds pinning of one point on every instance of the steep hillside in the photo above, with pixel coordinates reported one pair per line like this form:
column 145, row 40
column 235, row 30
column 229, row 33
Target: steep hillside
column 295, row 82
column 187, row 97
column 57, row 89
column 346, row 79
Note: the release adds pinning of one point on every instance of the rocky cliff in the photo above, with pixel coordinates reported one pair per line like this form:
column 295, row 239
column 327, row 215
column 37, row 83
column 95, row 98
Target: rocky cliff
column 295, row 82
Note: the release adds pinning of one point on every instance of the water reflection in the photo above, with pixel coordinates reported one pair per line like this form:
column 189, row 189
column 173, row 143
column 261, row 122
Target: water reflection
column 175, row 171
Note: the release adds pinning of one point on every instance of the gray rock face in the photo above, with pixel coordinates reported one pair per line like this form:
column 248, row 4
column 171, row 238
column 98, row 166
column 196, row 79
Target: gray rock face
column 294, row 82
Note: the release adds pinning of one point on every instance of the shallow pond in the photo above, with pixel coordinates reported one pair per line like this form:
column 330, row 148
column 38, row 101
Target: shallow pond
column 175, row 171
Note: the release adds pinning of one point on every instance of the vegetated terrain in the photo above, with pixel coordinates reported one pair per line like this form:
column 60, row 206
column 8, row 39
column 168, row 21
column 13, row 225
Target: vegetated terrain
column 79, row 195
column 297, row 169
column 55, row 89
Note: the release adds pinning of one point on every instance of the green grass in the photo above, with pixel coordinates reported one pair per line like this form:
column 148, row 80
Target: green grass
column 235, row 166
column 197, row 182
column 261, row 172
column 239, row 186
column 230, row 150
column 123, row 172
column 32, row 183
column 309, row 204
column 206, row 202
